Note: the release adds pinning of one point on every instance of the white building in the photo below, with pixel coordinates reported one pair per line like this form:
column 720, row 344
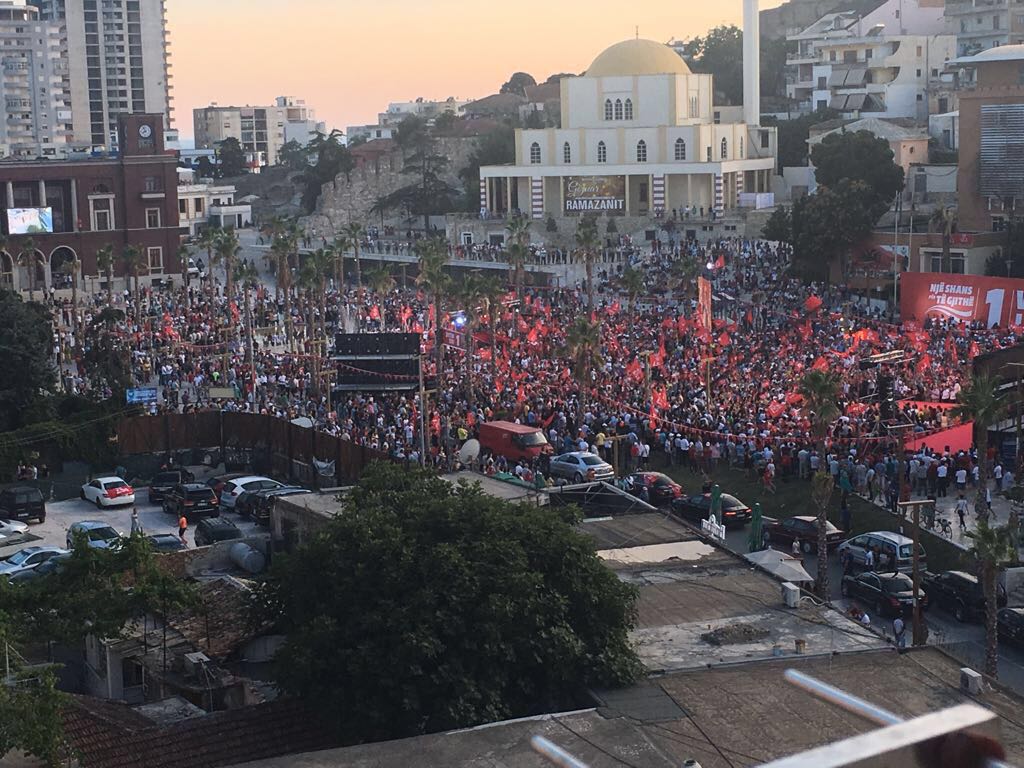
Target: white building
column 202, row 203
column 983, row 24
column 118, row 54
column 35, row 98
column 888, row 63
column 261, row 131
column 429, row 110
column 370, row 132
column 638, row 136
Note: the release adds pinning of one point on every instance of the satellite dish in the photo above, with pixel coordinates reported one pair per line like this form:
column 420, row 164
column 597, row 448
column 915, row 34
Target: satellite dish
column 469, row 451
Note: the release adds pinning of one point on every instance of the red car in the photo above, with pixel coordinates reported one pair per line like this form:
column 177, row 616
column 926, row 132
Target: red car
column 661, row 489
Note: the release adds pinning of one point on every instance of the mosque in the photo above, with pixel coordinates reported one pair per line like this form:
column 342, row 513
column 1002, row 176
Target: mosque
column 640, row 136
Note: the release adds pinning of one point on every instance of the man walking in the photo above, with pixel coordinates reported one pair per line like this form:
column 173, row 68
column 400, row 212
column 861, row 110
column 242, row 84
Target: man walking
column 899, row 632
column 182, row 529
column 136, row 523
column 961, row 511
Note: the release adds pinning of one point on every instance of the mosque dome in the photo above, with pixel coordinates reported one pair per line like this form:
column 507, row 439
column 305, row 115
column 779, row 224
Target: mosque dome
column 637, row 57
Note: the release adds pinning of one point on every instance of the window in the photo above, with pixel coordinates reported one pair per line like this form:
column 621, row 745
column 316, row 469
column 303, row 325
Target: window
column 535, row 153
column 693, row 106
column 709, row 154
column 741, row 147
column 602, row 152
column 607, row 109
column 831, row 55
column 153, row 184
column 680, row 149
column 956, row 262
column 566, row 153
column 199, row 205
column 919, row 73
column 629, row 109
column 152, row 218
column 101, row 213
column 618, row 109
column 920, row 51
column 725, row 149
column 183, row 207
column 641, row 151
column 155, row 259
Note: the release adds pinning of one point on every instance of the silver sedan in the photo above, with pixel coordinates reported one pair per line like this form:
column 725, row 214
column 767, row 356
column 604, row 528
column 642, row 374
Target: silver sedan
column 581, row 466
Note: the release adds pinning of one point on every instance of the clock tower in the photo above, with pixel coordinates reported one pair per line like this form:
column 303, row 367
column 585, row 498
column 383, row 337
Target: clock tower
column 141, row 135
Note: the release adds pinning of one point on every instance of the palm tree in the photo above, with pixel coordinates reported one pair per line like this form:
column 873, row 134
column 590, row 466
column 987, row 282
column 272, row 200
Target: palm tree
column 381, row 280
column 131, row 260
column 227, row 248
column 29, row 259
column 583, row 343
column 433, row 255
column 588, row 241
column 518, row 229
column 992, row 547
column 248, row 277
column 633, row 282
column 105, row 263
column 321, row 263
column 355, row 233
column 185, row 256
column 820, row 391
column 980, row 402
column 944, row 221
column 342, row 245
column 491, row 292
column 684, row 271
column 208, row 241
column 72, row 269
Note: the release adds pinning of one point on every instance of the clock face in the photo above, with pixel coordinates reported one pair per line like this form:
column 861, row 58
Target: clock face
column 145, row 131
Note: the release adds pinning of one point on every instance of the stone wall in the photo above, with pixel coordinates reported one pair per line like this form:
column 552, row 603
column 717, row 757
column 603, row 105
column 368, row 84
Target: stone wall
column 350, row 197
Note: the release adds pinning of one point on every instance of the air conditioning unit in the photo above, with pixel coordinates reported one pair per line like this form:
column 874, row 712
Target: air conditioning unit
column 971, row 682
column 194, row 662
column 790, row 595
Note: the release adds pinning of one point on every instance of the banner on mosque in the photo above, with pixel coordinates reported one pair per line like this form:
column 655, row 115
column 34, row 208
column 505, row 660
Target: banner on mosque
column 967, row 298
column 594, row 193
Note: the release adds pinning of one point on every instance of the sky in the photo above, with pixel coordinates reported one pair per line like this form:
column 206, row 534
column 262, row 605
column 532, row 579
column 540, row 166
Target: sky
column 349, row 59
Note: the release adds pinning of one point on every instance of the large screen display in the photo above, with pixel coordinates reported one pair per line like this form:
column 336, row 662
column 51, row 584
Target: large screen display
column 29, row 221
column 594, row 193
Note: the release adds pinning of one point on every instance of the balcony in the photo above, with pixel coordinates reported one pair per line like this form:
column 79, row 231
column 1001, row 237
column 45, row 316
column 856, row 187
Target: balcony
column 978, row 6
column 811, row 57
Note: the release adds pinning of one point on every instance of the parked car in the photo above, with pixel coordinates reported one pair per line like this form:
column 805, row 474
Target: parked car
column 889, row 593
column 234, row 488
column 804, row 528
column 193, row 500
column 98, row 535
column 1010, row 625
column 12, row 528
column 28, row 558
column 213, row 529
column 164, row 481
column 165, row 542
column 581, row 467
column 22, row 502
column 698, row 507
column 108, row 491
column 264, row 501
column 246, row 501
column 959, row 593
column 661, row 489
column 219, row 481
column 47, row 567
column 513, row 441
column 897, row 549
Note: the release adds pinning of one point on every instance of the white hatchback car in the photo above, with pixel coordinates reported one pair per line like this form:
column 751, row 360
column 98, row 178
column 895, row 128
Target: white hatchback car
column 27, row 559
column 108, row 492
column 234, row 488
column 12, row 528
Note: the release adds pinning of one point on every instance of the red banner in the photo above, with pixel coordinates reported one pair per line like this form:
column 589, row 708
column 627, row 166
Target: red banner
column 704, row 301
column 992, row 300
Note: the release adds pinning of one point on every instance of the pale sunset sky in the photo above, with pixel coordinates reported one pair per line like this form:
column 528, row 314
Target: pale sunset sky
column 349, row 59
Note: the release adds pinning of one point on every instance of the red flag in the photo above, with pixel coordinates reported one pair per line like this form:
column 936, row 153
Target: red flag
column 776, row 409
column 635, row 371
column 720, row 261
column 812, row 304
column 653, row 423
column 374, row 312
column 973, row 351
column 532, row 336
column 724, row 339
column 805, row 331
column 821, row 364
column 924, row 363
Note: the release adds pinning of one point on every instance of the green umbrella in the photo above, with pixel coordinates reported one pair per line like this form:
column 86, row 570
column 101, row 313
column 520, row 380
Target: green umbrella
column 716, row 502
column 754, row 543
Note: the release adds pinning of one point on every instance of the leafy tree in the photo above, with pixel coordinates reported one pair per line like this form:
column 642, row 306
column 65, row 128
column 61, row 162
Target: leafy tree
column 429, row 194
column 206, row 168
column 979, row 402
column 445, row 122
column 230, row 158
column 825, row 225
column 293, row 156
column 29, row 258
column 435, row 281
column 30, row 714
column 26, row 336
column 105, row 264
column 331, row 158
column 518, row 229
column 588, row 242
column 820, row 391
column 354, row 233
column 442, row 607
column 496, row 147
column 633, row 282
column 991, row 547
column 720, row 53
column 518, row 84
column 583, row 343
column 944, row 221
column 859, row 156
column 133, row 262
column 779, row 226
column 793, row 134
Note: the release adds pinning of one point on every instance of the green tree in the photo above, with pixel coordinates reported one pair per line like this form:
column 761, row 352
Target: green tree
column 132, row 261
column 583, row 344
column 588, row 242
column 991, row 546
column 248, row 277
column 331, row 158
column 226, row 248
column 496, row 147
column 793, row 134
column 72, row 269
column 944, row 221
column 429, row 194
column 979, row 402
column 381, row 280
column 779, row 226
column 31, row 714
column 518, row 84
column 820, row 391
column 518, row 230
column 859, row 156
column 207, row 241
column 435, row 281
column 633, row 283
column 29, row 257
column 443, row 607
column 105, row 264
column 293, row 156
column 720, row 53
column 185, row 259
column 342, row 245
column 230, row 158
column 355, row 232
column 26, row 336
column 827, row 224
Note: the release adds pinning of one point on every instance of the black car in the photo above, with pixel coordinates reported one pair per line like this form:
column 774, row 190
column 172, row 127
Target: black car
column 888, row 593
column 734, row 511
column 212, row 530
column 165, row 481
column 22, row 502
column 165, row 542
column 1010, row 625
column 193, row 500
column 804, row 529
column 264, row 501
column 53, row 565
column 661, row 489
column 959, row 593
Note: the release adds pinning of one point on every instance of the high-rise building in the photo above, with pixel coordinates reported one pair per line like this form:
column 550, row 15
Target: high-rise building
column 118, row 52
column 261, row 131
column 35, row 108
column 983, row 24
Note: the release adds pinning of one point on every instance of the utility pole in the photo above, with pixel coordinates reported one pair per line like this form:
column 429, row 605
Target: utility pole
column 1020, row 403
column 423, row 417
column 915, row 507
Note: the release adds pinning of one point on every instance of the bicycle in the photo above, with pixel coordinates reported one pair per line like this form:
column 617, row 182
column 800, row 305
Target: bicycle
column 945, row 528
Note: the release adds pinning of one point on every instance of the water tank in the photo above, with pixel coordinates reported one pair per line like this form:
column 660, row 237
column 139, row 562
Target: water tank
column 248, row 559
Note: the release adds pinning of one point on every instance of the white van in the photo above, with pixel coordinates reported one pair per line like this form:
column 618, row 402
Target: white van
column 889, row 548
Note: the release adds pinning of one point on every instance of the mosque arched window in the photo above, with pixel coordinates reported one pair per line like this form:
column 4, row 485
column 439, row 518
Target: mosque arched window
column 680, row 149
column 641, row 151
column 725, row 149
column 618, row 109
column 566, row 153
column 535, row 153
column 629, row 109
column 602, row 152
column 608, row 109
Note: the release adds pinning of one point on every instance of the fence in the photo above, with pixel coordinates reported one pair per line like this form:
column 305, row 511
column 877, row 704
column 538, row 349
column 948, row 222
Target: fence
column 265, row 443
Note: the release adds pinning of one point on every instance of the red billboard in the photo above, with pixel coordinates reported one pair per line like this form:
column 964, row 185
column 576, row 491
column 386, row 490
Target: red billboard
column 967, row 298
column 704, row 302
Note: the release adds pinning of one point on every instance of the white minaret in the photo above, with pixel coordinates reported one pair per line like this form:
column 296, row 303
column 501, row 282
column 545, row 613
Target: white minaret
column 751, row 63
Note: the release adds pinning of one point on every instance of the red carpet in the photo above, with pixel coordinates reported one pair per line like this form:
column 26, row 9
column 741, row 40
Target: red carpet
column 958, row 439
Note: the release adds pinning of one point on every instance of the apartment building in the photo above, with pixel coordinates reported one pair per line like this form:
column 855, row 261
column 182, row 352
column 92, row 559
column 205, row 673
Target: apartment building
column 261, row 131
column 35, row 108
column 983, row 24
